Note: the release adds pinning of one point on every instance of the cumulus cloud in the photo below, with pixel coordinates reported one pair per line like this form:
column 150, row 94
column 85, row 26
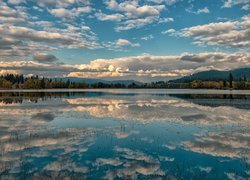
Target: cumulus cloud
column 15, row 1
column 133, row 10
column 5, row 43
column 135, row 15
column 24, row 33
column 26, row 41
column 164, row 66
column 119, row 44
column 246, row 7
column 168, row 31
column 70, row 13
column 168, row 2
column 230, row 33
column 204, row 10
column 142, row 67
column 231, row 3
column 10, row 15
column 45, row 58
column 109, row 17
column 125, row 42
column 135, row 23
column 165, row 20
column 146, row 38
column 61, row 3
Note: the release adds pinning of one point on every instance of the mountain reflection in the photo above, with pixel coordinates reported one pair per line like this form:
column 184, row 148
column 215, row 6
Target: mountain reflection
column 127, row 136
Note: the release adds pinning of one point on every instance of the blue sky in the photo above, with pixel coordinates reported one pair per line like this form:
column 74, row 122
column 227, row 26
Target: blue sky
column 131, row 39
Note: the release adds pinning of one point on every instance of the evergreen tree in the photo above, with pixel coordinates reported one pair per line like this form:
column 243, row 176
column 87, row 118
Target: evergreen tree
column 43, row 84
column 231, row 80
column 68, row 83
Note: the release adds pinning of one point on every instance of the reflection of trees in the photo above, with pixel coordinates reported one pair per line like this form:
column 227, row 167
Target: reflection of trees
column 19, row 97
column 11, row 100
column 211, row 100
column 216, row 100
column 211, row 96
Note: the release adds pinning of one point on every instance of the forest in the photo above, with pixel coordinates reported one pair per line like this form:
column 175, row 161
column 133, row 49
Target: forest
column 12, row 81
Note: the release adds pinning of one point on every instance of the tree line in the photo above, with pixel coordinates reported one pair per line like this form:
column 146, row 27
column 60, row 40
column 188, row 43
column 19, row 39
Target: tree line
column 11, row 81
column 241, row 83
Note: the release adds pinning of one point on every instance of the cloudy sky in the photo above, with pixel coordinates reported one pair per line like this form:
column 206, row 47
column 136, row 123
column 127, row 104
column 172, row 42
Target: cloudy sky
column 144, row 40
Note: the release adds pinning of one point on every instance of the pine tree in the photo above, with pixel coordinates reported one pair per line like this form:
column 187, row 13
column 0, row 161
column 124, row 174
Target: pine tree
column 231, row 80
column 43, row 84
column 68, row 83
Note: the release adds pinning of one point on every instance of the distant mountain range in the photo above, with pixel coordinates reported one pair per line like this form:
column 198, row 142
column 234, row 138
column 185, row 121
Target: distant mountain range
column 93, row 81
column 214, row 75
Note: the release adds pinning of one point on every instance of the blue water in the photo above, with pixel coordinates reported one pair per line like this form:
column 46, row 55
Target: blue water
column 111, row 135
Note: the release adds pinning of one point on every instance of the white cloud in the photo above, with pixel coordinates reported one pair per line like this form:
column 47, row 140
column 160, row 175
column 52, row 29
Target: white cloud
column 146, row 38
column 10, row 15
column 25, row 36
column 165, row 20
column 86, row 28
column 144, row 68
column 133, row 10
column 15, row 1
column 119, row 45
column 124, row 42
column 71, row 37
column 246, row 7
column 230, row 33
column 135, row 15
column 168, row 2
column 135, row 23
column 61, row 3
column 168, row 31
column 70, row 13
column 204, row 10
column 61, row 12
column 23, row 33
column 109, row 17
column 231, row 3
column 163, row 66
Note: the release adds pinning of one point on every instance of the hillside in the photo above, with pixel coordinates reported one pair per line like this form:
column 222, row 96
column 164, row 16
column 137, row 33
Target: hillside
column 215, row 75
column 93, row 81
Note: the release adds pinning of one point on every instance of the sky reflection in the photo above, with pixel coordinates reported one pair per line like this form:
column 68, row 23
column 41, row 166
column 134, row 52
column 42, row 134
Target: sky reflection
column 104, row 135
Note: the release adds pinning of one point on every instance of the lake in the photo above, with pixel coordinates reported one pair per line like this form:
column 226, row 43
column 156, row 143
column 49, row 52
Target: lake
column 125, row 134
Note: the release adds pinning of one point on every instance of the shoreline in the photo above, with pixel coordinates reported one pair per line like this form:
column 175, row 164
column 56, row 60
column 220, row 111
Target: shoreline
column 137, row 91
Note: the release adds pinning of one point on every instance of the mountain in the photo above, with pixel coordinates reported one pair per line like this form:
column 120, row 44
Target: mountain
column 214, row 75
column 93, row 81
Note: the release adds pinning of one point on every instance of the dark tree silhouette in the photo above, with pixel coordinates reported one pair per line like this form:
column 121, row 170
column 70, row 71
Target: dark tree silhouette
column 230, row 80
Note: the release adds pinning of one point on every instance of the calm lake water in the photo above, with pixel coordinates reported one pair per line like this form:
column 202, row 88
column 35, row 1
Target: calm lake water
column 121, row 134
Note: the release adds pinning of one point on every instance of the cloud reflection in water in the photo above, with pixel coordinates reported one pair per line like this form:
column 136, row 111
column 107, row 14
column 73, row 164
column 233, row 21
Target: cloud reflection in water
column 34, row 144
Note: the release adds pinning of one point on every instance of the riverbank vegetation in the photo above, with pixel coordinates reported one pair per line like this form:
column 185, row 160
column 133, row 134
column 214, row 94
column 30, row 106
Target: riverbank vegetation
column 11, row 81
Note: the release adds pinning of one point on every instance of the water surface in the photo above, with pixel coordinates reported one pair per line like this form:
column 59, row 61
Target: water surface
column 125, row 134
